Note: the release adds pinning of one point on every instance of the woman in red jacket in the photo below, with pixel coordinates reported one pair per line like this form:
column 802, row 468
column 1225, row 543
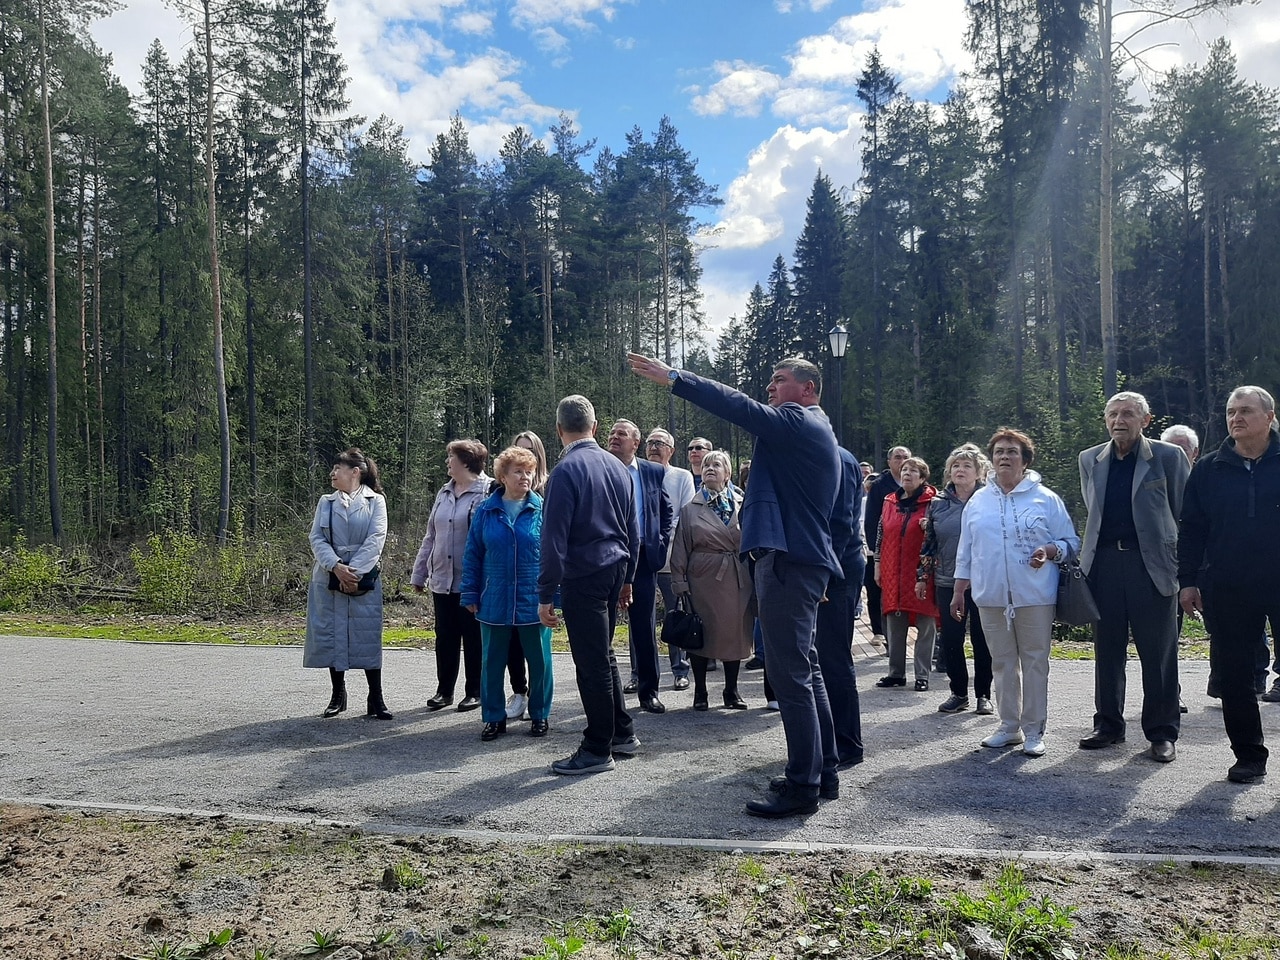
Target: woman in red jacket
column 901, row 537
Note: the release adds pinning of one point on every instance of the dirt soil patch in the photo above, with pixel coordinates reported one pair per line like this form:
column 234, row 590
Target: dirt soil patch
column 84, row 884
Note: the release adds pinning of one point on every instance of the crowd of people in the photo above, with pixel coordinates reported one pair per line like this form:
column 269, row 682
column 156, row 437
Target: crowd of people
column 776, row 565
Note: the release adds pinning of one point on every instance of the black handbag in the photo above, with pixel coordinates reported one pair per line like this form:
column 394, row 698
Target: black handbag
column 682, row 627
column 367, row 582
column 1076, row 605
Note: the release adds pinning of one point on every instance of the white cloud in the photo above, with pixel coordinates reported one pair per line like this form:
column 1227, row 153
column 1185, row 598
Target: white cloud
column 573, row 12
column 741, row 89
column 764, row 210
column 477, row 23
column 550, row 40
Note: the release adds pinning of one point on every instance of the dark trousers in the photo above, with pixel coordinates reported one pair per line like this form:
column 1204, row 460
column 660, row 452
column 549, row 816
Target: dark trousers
column 679, row 659
column 788, row 595
column 873, row 599
column 1236, row 616
column 590, row 607
column 834, row 642
column 642, row 631
column 457, row 639
column 951, row 638
column 516, row 664
column 1129, row 603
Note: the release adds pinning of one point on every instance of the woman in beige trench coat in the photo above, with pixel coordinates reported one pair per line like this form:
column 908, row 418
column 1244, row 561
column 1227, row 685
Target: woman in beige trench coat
column 706, row 570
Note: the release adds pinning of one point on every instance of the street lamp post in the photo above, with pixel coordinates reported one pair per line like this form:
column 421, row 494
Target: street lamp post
column 838, row 340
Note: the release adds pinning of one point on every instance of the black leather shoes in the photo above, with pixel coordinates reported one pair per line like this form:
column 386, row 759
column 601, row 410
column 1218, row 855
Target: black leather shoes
column 830, row 789
column 733, row 700
column 1163, row 751
column 788, row 801
column 1245, row 772
column 891, row 682
column 701, row 705
column 680, row 683
column 439, row 702
column 468, row 703
column 631, row 687
column 337, row 704
column 652, row 705
column 1100, row 738
column 492, row 731
column 539, row 728
column 378, row 710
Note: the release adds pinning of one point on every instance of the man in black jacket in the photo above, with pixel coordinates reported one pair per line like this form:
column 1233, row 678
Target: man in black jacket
column 1231, row 527
column 881, row 487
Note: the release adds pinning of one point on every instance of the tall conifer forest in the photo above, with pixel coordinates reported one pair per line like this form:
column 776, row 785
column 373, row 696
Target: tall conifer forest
column 209, row 288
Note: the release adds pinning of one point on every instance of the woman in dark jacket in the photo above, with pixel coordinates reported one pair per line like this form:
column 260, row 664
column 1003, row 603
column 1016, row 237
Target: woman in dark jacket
column 500, row 587
column 901, row 535
column 966, row 471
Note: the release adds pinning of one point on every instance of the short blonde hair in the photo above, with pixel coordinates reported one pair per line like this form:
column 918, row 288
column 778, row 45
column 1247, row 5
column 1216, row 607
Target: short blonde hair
column 721, row 457
column 971, row 452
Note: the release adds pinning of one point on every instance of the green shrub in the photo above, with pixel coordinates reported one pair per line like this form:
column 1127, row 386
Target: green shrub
column 28, row 577
column 167, row 571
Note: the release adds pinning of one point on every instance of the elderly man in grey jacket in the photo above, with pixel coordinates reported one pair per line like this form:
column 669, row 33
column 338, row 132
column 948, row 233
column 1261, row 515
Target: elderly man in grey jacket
column 1133, row 487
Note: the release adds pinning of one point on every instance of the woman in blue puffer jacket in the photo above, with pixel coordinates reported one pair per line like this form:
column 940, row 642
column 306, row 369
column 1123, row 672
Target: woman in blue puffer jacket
column 500, row 586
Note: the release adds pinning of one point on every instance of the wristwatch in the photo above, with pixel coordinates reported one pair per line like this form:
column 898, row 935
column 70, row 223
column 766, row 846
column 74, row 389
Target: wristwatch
column 673, row 376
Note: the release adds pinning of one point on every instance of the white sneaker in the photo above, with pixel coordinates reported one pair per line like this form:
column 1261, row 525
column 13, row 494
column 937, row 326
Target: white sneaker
column 772, row 705
column 1003, row 738
column 516, row 704
column 1034, row 747
column 985, row 707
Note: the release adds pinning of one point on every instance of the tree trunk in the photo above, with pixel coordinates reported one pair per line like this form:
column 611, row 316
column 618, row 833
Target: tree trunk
column 1106, row 263
column 51, row 285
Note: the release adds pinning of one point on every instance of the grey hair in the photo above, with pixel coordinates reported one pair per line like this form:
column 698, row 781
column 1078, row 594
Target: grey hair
column 719, row 456
column 1181, row 431
column 1267, row 402
column 1128, row 396
column 575, row 414
column 635, row 431
column 971, row 452
column 662, row 435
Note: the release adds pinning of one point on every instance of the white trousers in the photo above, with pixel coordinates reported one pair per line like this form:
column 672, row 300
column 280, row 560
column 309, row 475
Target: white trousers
column 1020, row 665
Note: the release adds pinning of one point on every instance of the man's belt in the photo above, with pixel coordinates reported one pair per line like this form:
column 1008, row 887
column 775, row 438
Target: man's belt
column 1124, row 545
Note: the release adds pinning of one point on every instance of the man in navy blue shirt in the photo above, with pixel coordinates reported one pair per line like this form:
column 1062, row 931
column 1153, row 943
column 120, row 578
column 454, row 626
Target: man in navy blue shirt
column 590, row 545
column 656, row 521
column 786, row 533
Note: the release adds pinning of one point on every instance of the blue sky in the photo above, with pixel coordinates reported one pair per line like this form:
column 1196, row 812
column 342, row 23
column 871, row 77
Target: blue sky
column 762, row 91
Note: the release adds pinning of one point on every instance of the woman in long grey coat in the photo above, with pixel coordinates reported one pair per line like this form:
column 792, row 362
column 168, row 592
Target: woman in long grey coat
column 706, row 570
column 344, row 625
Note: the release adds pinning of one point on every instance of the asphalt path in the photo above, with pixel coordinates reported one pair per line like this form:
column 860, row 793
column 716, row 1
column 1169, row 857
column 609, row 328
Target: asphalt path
column 237, row 730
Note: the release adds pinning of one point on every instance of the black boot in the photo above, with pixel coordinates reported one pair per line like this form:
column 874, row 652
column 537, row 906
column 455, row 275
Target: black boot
column 377, row 707
column 337, row 702
column 699, row 666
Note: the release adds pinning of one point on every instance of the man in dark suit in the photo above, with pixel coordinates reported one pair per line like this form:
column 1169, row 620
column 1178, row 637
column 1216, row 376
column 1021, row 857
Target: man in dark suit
column 786, row 533
column 836, row 617
column 656, row 520
column 1133, row 488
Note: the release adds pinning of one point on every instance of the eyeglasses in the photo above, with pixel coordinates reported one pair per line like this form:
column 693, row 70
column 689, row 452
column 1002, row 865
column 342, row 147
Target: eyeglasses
column 691, row 449
column 655, row 442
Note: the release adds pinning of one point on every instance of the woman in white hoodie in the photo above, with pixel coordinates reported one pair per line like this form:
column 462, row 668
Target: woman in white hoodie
column 1014, row 533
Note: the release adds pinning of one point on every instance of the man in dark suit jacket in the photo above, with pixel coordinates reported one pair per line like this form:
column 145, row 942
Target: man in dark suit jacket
column 1133, row 488
column 786, row 532
column 656, row 520
column 836, row 617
